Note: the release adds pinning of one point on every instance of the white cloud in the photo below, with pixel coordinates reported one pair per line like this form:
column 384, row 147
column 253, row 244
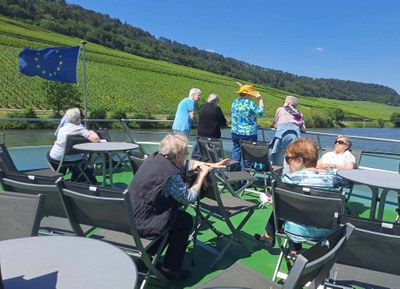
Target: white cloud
column 210, row 50
column 318, row 49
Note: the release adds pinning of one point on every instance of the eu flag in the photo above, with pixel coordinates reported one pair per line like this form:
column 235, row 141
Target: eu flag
column 53, row 63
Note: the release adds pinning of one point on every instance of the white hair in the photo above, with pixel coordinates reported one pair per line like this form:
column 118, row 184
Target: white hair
column 73, row 114
column 194, row 91
column 213, row 97
column 292, row 100
column 172, row 144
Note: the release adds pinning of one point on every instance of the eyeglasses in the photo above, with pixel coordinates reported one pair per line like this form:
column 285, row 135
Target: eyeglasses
column 339, row 142
column 288, row 158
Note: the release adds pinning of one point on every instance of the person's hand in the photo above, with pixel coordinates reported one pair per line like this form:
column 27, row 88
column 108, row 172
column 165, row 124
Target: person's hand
column 204, row 168
column 220, row 165
column 258, row 96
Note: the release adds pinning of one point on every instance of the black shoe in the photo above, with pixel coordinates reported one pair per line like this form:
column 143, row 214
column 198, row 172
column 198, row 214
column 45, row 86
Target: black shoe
column 267, row 241
column 173, row 275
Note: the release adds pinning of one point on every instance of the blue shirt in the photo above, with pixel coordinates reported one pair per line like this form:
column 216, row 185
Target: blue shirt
column 326, row 180
column 182, row 121
column 244, row 114
column 176, row 187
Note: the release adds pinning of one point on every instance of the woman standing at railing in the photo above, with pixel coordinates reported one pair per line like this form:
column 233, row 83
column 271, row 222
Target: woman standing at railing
column 244, row 113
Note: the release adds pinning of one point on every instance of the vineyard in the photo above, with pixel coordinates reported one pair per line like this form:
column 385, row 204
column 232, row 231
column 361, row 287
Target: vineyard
column 118, row 80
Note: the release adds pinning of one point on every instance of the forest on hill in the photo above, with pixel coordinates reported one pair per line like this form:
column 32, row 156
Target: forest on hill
column 73, row 20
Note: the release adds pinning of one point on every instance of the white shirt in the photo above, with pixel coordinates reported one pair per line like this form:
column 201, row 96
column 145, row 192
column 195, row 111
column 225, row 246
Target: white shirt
column 57, row 151
column 338, row 159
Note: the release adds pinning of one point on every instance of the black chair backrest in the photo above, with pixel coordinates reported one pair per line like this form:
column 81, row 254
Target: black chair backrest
column 20, row 214
column 34, row 185
column 136, row 159
column 71, row 141
column 103, row 134
column 216, row 143
column 97, row 206
column 256, row 154
column 307, row 206
column 6, row 162
column 374, row 245
column 315, row 263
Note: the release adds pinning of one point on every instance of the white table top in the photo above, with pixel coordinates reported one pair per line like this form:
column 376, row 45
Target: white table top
column 105, row 146
column 381, row 179
column 65, row 262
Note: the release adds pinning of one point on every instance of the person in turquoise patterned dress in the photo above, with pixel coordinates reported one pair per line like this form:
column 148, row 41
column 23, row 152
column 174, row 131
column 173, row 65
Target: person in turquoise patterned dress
column 244, row 113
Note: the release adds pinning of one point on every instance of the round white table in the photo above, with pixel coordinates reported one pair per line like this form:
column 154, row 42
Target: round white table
column 65, row 262
column 375, row 180
column 106, row 149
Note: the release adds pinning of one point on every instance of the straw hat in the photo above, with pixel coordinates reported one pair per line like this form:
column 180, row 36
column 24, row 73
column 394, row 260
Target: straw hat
column 247, row 89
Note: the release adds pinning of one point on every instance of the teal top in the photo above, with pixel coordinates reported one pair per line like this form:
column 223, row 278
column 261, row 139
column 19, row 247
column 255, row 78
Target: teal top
column 326, row 180
column 244, row 114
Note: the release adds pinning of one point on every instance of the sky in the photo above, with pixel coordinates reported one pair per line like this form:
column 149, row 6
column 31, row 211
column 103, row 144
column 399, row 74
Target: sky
column 355, row 40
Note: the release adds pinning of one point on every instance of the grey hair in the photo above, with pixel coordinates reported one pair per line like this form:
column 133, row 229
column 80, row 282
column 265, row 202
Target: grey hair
column 194, row 91
column 73, row 114
column 172, row 144
column 213, row 97
column 292, row 100
column 346, row 139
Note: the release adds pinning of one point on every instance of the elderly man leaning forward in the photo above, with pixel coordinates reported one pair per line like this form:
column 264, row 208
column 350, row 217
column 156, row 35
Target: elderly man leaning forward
column 185, row 112
column 157, row 192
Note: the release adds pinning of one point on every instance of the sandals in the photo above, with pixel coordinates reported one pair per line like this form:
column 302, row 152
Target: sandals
column 265, row 198
column 292, row 255
column 267, row 241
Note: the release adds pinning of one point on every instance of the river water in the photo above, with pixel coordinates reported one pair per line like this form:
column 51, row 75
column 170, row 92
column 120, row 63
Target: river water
column 46, row 137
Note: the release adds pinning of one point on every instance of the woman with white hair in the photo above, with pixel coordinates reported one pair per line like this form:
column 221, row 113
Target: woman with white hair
column 340, row 158
column 71, row 125
column 211, row 119
column 289, row 124
column 157, row 192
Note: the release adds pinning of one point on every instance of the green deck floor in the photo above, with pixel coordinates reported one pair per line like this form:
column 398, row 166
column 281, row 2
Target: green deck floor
column 262, row 259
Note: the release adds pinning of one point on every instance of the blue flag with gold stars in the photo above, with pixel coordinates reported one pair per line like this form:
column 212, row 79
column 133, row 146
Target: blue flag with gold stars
column 53, row 63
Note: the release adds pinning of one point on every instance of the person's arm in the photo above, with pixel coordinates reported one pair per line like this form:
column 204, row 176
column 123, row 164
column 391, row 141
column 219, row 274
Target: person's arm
column 191, row 115
column 221, row 117
column 176, row 188
column 93, row 137
column 196, row 164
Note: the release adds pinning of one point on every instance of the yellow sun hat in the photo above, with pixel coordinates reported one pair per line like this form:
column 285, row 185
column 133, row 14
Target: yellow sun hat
column 247, row 89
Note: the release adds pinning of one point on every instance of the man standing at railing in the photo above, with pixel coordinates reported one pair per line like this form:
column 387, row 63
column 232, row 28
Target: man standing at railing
column 185, row 112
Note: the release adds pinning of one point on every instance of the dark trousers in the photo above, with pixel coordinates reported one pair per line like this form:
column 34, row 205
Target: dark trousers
column 236, row 151
column 177, row 242
column 270, row 229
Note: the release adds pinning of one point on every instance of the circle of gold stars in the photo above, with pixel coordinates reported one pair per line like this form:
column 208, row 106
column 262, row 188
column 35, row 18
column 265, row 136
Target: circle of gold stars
column 58, row 68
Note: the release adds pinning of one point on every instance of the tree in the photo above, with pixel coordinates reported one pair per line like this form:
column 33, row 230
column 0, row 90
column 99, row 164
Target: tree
column 61, row 96
column 395, row 118
column 338, row 114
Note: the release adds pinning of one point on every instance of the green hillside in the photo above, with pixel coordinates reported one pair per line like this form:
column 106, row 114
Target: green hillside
column 118, row 80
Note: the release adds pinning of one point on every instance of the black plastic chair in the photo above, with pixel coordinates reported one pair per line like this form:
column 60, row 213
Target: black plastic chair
column 20, row 215
column 54, row 219
column 64, row 163
column 7, row 164
column 371, row 257
column 111, row 211
column 235, row 182
column 256, row 159
column 136, row 159
column 312, row 265
column 224, row 207
column 303, row 205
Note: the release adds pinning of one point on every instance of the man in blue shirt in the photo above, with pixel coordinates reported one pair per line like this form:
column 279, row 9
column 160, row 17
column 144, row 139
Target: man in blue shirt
column 185, row 112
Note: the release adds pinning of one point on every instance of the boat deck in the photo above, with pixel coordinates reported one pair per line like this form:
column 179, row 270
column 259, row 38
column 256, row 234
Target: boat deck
column 262, row 259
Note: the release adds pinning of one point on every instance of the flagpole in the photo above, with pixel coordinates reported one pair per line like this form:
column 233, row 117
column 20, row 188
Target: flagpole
column 84, row 82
